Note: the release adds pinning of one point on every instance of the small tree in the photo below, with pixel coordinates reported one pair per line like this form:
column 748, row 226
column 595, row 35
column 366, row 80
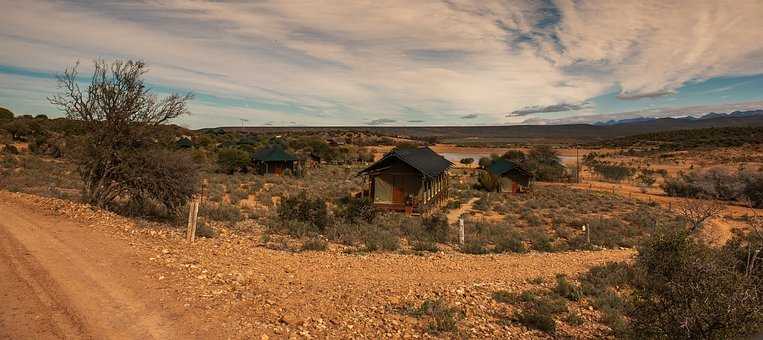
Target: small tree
column 467, row 161
column 122, row 122
column 18, row 128
column 488, row 181
column 5, row 114
column 697, row 212
column 515, row 155
column 544, row 163
column 485, row 162
column 645, row 179
column 230, row 160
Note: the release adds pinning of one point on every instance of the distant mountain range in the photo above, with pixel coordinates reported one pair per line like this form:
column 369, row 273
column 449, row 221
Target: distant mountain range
column 569, row 133
column 711, row 115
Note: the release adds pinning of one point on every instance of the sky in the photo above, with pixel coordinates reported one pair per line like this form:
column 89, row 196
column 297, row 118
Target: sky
column 410, row 63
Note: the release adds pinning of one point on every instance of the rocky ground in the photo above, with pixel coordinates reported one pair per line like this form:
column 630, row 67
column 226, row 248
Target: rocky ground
column 236, row 286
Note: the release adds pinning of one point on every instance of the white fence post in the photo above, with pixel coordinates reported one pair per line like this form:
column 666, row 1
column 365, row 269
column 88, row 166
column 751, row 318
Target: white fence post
column 461, row 231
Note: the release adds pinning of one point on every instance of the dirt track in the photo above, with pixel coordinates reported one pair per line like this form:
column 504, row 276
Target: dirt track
column 67, row 274
column 59, row 280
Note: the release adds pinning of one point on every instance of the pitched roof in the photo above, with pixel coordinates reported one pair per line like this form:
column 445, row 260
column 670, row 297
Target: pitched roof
column 422, row 159
column 273, row 153
column 501, row 166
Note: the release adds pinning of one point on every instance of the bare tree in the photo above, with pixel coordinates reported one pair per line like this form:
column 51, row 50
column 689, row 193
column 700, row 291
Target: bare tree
column 121, row 117
column 697, row 211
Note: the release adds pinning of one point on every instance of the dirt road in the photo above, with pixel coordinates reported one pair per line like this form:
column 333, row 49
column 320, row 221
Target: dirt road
column 69, row 271
column 61, row 280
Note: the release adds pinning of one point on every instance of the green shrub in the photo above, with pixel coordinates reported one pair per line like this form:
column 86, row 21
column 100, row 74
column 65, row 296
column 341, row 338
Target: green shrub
column 356, row 210
column 425, row 245
column 346, row 233
column 380, row 240
column 10, row 149
column 510, row 243
column 488, row 182
column 567, row 289
column 442, row 318
column 5, row 114
column 540, row 241
column 312, row 211
column 753, row 188
column 504, row 296
column 203, row 230
column 231, row 160
column 437, row 228
column 574, row 319
column 612, row 274
column 687, row 289
column 220, row 212
column 537, row 320
column 474, row 247
column 314, row 244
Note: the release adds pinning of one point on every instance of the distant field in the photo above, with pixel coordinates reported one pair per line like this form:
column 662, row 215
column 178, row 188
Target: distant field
column 521, row 134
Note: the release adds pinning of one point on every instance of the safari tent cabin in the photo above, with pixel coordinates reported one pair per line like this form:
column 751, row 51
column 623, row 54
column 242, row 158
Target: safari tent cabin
column 512, row 177
column 184, row 143
column 410, row 180
column 274, row 159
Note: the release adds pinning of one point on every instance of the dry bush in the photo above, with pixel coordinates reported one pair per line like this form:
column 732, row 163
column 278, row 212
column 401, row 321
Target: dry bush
column 697, row 212
column 442, row 317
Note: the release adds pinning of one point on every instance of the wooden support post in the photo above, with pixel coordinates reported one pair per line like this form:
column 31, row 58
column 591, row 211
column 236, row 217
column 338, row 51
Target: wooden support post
column 461, row 231
column 193, row 213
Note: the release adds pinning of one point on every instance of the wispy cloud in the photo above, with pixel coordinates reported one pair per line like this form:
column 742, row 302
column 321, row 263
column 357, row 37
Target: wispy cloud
column 642, row 95
column 381, row 121
column 546, row 109
column 339, row 62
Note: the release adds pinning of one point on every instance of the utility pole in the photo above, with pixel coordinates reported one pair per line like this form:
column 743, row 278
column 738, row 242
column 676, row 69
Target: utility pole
column 577, row 160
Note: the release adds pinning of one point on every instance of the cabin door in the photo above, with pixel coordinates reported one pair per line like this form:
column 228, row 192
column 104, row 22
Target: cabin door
column 398, row 189
column 277, row 168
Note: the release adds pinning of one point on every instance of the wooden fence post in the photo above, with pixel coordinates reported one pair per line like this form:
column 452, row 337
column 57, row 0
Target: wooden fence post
column 461, row 231
column 193, row 213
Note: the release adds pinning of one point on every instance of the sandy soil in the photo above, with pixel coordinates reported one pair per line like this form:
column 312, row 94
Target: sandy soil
column 95, row 274
column 60, row 280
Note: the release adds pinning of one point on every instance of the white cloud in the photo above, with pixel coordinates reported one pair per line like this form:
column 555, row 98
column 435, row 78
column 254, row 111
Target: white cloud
column 349, row 62
column 654, row 46
column 663, row 112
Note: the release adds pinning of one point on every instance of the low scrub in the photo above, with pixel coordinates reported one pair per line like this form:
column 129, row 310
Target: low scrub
column 718, row 183
column 205, row 231
column 381, row 240
column 681, row 288
column 314, row 244
column 220, row 212
column 311, row 211
column 442, row 317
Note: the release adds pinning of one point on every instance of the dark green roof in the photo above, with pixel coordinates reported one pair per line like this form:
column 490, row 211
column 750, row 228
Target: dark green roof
column 273, row 153
column 501, row 166
column 423, row 159
column 184, row 143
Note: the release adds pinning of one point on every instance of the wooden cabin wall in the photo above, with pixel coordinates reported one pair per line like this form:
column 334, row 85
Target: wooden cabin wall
column 396, row 182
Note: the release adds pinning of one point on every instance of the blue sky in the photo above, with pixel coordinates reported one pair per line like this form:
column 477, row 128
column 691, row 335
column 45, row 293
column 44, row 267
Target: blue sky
column 400, row 62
